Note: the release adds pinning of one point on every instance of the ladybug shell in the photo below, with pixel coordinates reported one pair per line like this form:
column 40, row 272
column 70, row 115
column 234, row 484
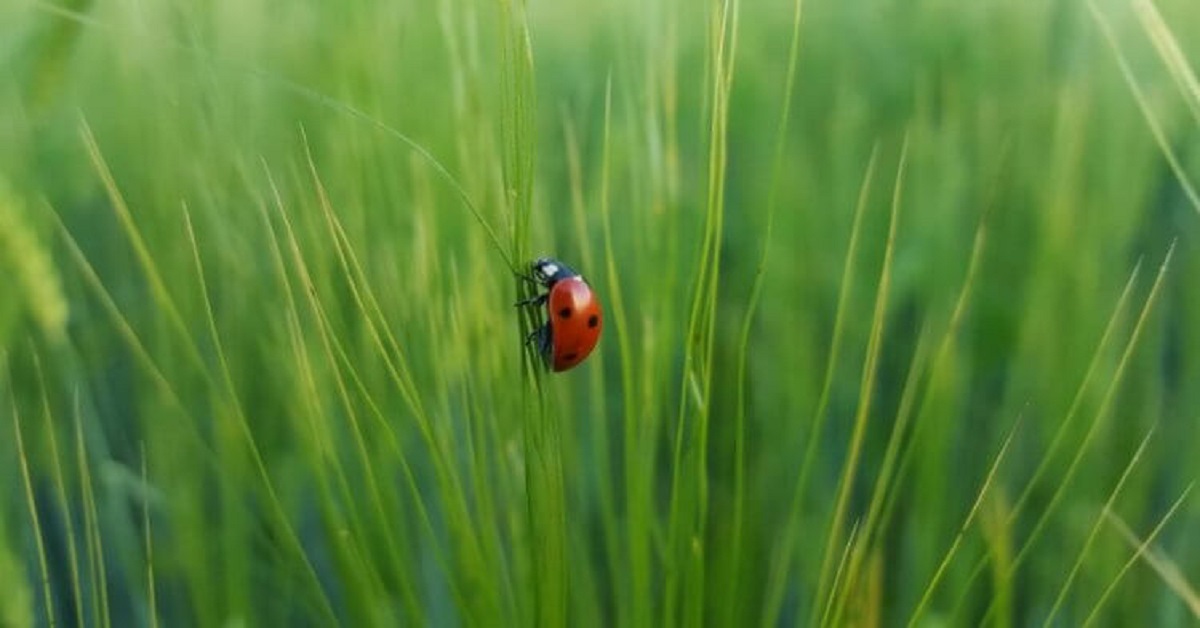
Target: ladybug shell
column 575, row 322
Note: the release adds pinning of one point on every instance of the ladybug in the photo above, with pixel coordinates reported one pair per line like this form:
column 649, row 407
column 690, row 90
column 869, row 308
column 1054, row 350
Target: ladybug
column 573, row 314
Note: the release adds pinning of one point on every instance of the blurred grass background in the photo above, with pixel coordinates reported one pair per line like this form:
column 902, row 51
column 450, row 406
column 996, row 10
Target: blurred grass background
column 915, row 340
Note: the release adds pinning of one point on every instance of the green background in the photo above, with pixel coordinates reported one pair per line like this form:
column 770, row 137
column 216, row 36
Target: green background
column 894, row 292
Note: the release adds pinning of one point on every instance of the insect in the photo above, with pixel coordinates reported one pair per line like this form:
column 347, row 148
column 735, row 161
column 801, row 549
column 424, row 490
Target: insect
column 573, row 314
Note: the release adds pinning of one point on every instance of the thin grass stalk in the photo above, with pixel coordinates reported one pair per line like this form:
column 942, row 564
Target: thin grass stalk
column 60, row 491
column 151, row 589
column 779, row 570
column 1095, row 531
column 867, row 386
column 927, row 595
column 97, row 571
column 688, row 504
column 733, row 590
column 1143, row 103
column 1167, row 571
column 1101, row 415
column 233, row 406
column 31, row 502
column 1093, row 367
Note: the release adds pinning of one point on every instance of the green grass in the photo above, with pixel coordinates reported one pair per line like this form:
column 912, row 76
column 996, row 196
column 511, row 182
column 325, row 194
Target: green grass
column 901, row 318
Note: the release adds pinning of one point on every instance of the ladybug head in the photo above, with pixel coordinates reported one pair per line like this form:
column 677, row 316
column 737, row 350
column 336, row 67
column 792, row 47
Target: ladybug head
column 547, row 270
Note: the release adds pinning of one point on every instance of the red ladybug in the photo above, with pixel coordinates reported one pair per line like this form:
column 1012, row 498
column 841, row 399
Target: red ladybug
column 572, row 311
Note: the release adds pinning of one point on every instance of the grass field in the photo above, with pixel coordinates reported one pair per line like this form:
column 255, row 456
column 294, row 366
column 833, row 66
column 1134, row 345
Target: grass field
column 902, row 317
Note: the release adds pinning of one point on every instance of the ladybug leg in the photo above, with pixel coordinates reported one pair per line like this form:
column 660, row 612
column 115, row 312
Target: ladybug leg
column 544, row 342
column 541, row 336
column 528, row 278
column 536, row 300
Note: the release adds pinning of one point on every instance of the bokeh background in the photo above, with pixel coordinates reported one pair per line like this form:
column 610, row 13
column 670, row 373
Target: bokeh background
column 902, row 318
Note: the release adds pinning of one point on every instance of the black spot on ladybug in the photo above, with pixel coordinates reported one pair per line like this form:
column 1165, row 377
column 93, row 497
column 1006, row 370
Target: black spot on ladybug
column 565, row 312
column 593, row 320
column 570, row 357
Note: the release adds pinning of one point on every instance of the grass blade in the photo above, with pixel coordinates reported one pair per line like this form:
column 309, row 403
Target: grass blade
column 31, row 502
column 778, row 578
column 1101, row 415
column 1161, row 565
column 1112, row 497
column 1152, row 121
column 733, row 586
column 866, row 389
column 962, row 530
